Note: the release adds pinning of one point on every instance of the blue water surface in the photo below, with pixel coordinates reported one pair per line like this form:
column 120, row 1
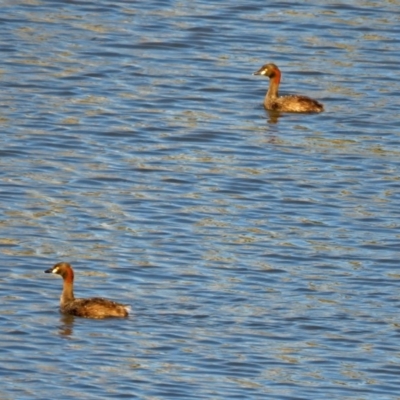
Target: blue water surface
column 259, row 252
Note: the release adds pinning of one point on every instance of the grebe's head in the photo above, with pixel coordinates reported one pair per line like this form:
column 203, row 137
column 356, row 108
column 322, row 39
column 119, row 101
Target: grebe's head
column 64, row 269
column 270, row 70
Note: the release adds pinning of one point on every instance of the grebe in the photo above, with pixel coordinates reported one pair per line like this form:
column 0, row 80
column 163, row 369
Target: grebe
column 88, row 308
column 291, row 103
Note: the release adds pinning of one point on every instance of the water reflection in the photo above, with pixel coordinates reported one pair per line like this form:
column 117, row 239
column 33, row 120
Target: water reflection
column 273, row 116
column 66, row 325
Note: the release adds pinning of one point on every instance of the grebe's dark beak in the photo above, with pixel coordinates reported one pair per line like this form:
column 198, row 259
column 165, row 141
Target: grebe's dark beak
column 49, row 271
column 260, row 71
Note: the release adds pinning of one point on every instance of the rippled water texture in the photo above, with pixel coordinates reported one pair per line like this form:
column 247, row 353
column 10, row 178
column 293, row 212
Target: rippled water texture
column 259, row 252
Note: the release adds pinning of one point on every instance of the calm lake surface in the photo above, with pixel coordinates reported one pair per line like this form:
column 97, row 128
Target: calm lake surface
column 259, row 252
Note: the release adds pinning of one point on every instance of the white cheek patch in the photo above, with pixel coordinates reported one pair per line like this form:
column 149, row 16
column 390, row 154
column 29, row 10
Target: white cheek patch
column 55, row 270
column 263, row 72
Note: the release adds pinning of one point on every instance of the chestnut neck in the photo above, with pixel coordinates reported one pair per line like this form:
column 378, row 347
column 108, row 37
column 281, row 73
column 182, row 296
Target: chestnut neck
column 274, row 82
column 67, row 294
